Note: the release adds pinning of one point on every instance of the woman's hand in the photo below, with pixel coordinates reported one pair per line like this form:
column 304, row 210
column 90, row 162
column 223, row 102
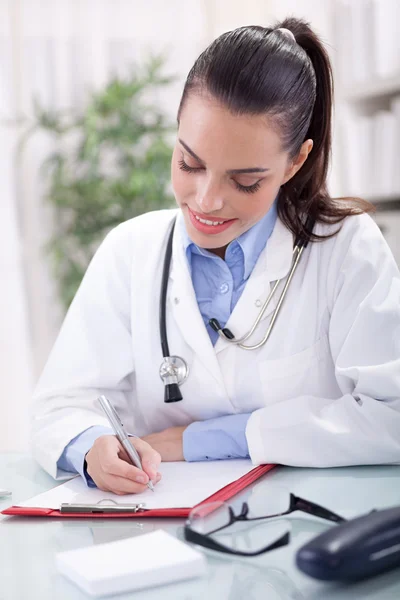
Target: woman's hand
column 168, row 443
column 112, row 471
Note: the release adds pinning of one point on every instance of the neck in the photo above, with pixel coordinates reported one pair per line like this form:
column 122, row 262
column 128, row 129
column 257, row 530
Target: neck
column 218, row 251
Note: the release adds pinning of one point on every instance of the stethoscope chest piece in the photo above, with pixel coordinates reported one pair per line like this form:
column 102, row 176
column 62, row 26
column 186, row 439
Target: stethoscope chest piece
column 173, row 371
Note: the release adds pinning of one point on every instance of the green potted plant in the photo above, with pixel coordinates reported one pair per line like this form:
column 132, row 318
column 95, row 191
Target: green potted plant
column 111, row 163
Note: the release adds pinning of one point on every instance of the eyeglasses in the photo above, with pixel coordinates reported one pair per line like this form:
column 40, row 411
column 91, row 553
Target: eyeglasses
column 207, row 524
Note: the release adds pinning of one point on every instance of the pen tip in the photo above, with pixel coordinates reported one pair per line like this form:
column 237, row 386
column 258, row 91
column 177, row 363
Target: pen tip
column 150, row 486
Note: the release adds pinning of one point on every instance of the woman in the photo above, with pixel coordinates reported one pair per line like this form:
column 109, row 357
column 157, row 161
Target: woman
column 249, row 175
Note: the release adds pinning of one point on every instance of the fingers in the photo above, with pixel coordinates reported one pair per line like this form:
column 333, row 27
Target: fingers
column 151, row 459
column 121, row 486
column 108, row 466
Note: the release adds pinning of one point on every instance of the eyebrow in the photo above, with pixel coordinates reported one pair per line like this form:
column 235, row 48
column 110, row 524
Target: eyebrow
column 230, row 171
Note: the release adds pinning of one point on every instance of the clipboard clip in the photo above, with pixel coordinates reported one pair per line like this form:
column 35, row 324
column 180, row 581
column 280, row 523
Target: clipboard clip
column 105, row 506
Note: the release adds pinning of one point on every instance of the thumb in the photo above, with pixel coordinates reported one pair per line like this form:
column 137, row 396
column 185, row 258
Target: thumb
column 151, row 459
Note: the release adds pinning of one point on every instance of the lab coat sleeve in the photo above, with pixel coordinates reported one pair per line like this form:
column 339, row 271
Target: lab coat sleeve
column 92, row 356
column 363, row 425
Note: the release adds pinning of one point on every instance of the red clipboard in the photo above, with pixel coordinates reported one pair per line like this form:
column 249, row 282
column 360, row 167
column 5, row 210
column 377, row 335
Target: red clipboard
column 223, row 494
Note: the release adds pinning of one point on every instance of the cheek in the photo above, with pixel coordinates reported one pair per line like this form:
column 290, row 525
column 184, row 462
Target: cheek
column 251, row 208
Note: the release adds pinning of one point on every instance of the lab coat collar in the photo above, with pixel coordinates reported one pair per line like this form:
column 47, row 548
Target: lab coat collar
column 278, row 253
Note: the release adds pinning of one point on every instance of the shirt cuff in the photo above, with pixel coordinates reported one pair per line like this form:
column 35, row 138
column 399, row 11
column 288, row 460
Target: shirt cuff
column 216, row 439
column 73, row 457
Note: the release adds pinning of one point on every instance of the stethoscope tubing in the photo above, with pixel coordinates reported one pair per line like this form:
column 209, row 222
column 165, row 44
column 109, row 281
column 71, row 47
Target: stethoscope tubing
column 240, row 341
column 163, row 294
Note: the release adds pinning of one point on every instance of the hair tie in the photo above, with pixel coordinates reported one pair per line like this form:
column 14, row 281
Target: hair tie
column 287, row 33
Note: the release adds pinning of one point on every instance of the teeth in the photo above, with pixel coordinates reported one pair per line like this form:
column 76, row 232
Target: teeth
column 206, row 222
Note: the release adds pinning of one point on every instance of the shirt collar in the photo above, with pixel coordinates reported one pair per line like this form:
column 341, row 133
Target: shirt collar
column 251, row 242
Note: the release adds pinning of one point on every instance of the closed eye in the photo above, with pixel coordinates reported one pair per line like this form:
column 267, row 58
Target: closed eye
column 247, row 189
column 185, row 167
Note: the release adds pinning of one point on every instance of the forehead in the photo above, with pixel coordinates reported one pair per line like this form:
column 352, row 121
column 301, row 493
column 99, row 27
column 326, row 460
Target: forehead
column 216, row 134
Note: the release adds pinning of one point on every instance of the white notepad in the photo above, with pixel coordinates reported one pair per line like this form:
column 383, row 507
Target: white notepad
column 182, row 485
column 148, row 560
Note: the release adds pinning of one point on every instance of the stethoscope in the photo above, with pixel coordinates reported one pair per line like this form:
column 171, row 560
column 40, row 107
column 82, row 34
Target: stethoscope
column 174, row 370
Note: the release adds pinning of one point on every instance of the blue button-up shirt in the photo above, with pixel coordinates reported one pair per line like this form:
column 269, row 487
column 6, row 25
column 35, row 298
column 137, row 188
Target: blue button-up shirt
column 218, row 285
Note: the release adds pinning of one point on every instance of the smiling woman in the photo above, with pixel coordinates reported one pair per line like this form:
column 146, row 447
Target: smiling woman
column 240, row 155
column 254, row 216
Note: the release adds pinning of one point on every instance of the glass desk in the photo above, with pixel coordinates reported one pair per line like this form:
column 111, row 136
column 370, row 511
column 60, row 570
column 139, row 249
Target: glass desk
column 28, row 544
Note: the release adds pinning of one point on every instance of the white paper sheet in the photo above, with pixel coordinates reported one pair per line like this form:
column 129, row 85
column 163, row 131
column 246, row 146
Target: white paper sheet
column 183, row 485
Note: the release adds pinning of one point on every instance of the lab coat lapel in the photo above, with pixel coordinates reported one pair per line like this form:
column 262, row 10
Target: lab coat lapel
column 274, row 263
column 185, row 310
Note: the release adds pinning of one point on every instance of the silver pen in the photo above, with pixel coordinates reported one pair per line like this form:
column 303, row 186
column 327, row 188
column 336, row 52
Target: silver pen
column 122, row 436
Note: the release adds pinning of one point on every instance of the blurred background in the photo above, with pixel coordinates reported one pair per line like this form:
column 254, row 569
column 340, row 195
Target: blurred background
column 88, row 96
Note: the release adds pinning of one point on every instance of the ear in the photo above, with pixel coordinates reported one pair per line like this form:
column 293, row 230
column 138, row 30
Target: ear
column 296, row 164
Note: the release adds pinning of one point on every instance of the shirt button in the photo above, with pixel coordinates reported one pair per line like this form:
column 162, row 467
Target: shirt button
column 224, row 287
column 257, row 302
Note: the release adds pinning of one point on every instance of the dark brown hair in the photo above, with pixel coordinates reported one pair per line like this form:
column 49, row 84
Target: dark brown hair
column 260, row 70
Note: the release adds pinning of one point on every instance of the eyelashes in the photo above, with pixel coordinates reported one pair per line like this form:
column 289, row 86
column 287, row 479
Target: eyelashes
column 184, row 167
column 247, row 189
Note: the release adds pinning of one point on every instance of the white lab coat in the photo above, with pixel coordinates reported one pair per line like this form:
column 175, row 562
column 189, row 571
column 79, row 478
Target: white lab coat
column 323, row 391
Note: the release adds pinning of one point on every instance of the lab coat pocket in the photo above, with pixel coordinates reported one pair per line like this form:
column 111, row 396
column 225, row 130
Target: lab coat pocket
column 295, row 375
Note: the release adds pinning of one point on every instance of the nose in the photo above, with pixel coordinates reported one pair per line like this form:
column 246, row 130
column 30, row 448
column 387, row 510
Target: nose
column 209, row 197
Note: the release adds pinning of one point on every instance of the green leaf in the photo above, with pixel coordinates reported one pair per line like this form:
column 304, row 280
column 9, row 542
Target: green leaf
column 111, row 163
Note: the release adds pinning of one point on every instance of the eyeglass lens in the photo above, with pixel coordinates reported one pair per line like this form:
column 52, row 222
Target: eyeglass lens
column 252, row 536
column 210, row 517
column 214, row 516
column 262, row 504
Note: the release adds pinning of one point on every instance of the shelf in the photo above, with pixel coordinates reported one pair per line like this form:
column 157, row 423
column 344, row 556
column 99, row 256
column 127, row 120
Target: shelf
column 373, row 89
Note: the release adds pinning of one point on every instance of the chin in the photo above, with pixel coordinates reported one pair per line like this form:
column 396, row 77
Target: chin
column 208, row 242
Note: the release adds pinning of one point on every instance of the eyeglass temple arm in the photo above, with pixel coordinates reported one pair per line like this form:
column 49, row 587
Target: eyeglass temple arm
column 207, row 542
column 311, row 508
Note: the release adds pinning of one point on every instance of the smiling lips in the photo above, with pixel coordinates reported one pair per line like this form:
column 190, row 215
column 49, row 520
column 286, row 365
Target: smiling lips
column 211, row 225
